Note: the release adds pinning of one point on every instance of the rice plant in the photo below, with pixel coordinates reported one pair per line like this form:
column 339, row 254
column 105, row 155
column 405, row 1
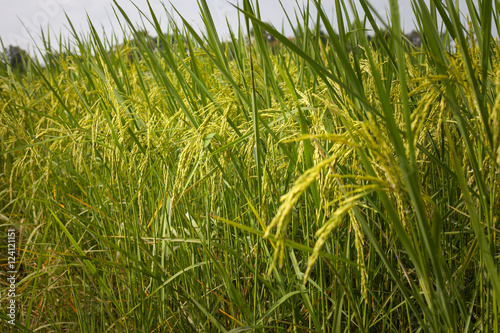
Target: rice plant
column 328, row 182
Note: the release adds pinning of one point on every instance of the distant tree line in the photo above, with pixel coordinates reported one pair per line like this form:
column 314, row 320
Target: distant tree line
column 412, row 39
column 15, row 57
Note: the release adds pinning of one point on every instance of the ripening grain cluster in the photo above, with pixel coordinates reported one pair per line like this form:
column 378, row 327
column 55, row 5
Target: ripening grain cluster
column 329, row 182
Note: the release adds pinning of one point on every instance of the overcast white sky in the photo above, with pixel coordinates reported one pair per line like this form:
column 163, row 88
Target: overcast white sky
column 22, row 20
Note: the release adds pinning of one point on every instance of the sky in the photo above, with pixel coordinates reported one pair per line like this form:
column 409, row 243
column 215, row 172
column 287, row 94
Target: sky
column 21, row 21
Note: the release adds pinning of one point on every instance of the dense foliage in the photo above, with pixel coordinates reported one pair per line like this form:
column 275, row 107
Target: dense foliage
column 313, row 185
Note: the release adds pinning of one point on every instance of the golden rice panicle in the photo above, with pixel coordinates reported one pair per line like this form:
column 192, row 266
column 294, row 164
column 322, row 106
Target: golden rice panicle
column 360, row 254
column 322, row 234
column 282, row 217
column 190, row 154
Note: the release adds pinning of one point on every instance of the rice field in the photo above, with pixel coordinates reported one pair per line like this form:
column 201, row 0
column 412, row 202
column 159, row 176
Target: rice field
column 329, row 182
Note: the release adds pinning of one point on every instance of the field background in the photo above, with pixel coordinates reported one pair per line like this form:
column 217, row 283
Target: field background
column 329, row 182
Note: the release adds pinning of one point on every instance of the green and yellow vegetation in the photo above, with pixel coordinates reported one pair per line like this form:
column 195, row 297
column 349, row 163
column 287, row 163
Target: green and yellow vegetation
column 208, row 186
